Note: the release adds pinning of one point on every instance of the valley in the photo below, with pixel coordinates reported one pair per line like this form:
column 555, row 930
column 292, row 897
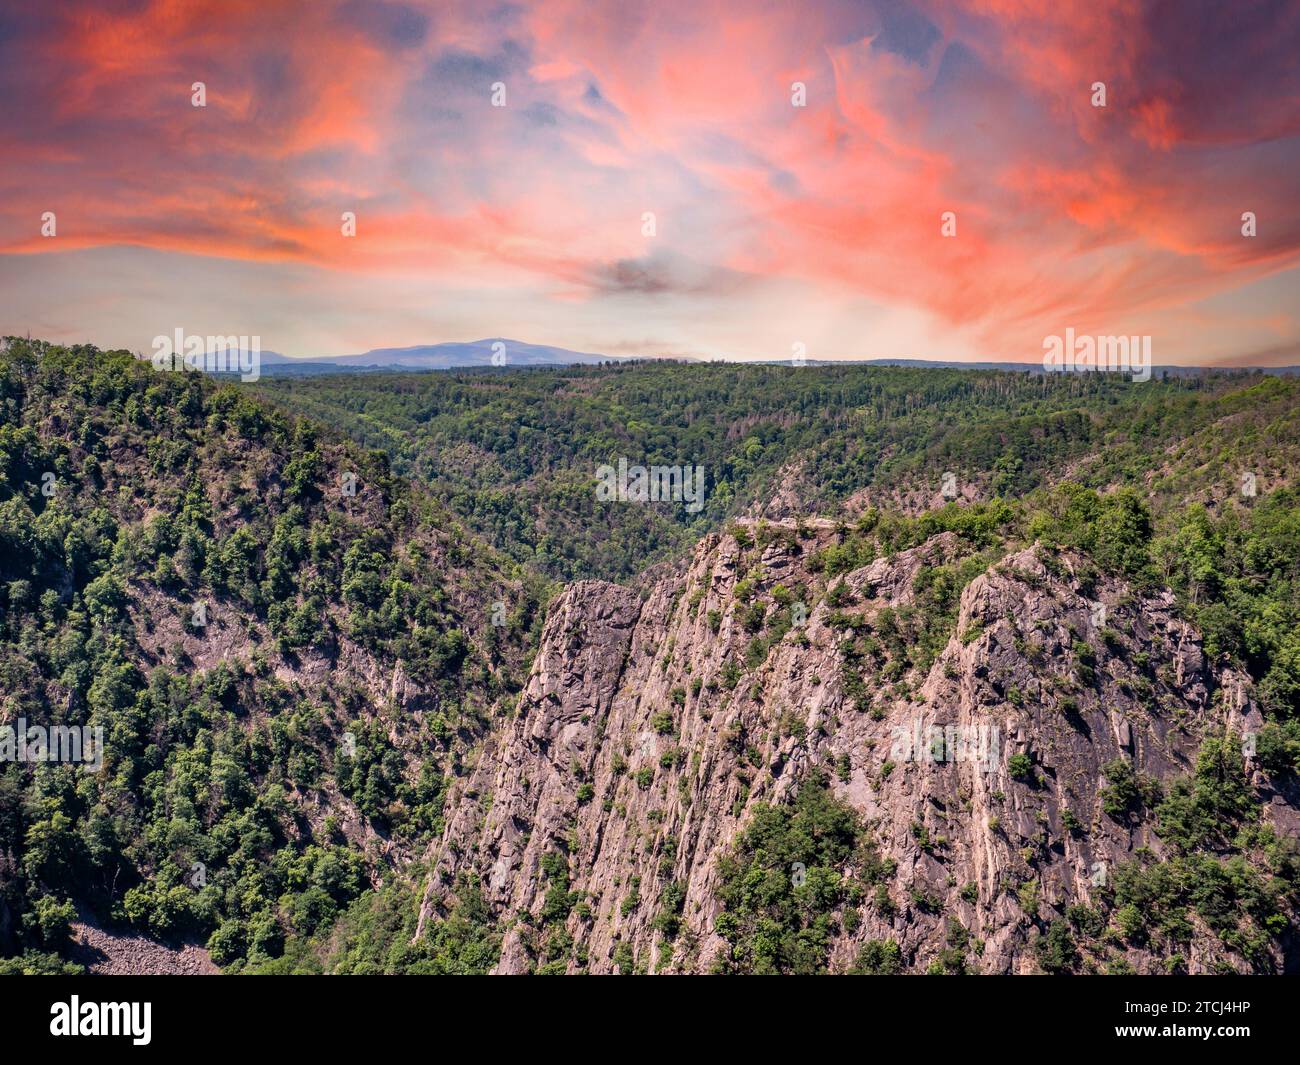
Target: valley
column 444, row 709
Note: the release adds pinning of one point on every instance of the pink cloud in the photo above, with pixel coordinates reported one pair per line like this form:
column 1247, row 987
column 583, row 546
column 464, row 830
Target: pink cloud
column 981, row 108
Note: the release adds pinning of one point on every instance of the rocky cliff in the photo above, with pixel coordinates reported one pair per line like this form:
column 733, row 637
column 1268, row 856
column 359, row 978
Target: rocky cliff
column 1004, row 780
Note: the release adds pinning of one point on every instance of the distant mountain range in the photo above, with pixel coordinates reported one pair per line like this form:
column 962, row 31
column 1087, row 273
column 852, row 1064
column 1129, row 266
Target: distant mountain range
column 497, row 351
column 504, row 352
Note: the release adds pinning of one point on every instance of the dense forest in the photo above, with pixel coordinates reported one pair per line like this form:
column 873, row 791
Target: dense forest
column 515, row 452
column 227, row 593
column 296, row 609
column 1206, row 464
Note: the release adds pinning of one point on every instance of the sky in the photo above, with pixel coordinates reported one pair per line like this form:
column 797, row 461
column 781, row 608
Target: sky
column 707, row 179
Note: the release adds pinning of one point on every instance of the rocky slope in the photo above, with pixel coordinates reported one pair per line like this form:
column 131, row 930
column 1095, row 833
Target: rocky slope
column 656, row 722
column 116, row 954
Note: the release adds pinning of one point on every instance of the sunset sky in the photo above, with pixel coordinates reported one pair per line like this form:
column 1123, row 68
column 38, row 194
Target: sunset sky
column 774, row 224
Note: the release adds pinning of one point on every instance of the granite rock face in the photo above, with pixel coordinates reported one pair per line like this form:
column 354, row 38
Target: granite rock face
column 650, row 728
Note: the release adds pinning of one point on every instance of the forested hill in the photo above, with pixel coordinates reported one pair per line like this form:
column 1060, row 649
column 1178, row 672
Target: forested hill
column 515, row 452
column 287, row 649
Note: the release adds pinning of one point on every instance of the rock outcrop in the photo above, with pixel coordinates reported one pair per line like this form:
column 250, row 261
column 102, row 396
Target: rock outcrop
column 653, row 723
